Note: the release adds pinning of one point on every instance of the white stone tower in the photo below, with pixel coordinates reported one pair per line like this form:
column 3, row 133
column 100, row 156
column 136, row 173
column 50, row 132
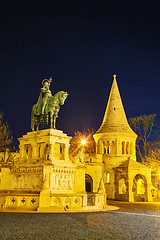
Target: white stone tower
column 115, row 140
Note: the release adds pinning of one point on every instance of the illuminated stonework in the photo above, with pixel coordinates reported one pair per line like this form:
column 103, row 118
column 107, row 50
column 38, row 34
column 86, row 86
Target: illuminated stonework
column 43, row 178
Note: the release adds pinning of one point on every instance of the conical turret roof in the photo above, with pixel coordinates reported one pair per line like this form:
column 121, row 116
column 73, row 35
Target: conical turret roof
column 115, row 118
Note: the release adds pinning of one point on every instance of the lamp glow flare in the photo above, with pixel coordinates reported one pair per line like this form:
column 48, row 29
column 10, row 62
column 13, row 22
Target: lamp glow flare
column 83, row 142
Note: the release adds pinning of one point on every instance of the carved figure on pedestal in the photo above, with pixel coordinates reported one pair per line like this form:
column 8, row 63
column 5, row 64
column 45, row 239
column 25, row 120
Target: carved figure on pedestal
column 79, row 158
column 30, row 152
column 48, row 152
column 46, row 109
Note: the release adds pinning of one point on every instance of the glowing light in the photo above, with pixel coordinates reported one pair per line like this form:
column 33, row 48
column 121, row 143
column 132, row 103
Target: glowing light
column 83, row 142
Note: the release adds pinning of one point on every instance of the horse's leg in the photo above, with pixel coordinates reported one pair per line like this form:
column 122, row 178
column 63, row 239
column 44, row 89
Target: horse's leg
column 32, row 125
column 34, row 117
column 55, row 117
column 54, row 120
column 37, row 127
column 51, row 116
column 51, row 119
column 38, row 122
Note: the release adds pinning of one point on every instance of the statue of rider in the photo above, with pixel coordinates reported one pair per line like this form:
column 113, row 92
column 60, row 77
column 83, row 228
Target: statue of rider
column 45, row 94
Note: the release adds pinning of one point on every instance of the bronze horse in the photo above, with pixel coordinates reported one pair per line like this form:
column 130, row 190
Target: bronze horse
column 51, row 111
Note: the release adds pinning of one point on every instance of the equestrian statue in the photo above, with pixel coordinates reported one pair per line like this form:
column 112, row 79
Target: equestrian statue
column 45, row 111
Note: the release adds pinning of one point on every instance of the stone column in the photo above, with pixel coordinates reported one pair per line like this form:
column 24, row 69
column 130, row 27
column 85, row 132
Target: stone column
column 66, row 154
column 34, row 150
column 21, row 151
column 85, row 200
column 130, row 192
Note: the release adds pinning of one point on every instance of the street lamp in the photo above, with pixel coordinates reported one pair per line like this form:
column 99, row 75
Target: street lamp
column 83, row 142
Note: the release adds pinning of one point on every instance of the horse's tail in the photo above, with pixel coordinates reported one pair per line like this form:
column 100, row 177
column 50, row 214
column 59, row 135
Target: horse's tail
column 33, row 117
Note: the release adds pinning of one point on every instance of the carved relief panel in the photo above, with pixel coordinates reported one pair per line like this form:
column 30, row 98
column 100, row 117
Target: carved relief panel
column 61, row 181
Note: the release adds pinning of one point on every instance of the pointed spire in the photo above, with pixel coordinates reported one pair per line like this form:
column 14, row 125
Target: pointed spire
column 114, row 77
column 115, row 118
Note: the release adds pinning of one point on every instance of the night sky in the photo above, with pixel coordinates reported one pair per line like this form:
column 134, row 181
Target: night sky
column 81, row 46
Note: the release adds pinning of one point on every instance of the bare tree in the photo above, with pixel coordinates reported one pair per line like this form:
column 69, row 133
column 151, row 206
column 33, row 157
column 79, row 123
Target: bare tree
column 5, row 134
column 153, row 161
column 147, row 134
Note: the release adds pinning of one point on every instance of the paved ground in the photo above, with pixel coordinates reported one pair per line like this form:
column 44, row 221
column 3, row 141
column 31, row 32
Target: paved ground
column 131, row 221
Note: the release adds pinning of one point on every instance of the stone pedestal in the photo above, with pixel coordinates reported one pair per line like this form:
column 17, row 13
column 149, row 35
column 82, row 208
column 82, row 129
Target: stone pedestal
column 45, row 145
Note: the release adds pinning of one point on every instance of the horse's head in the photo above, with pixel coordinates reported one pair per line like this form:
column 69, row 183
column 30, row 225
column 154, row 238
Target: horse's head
column 58, row 98
column 62, row 97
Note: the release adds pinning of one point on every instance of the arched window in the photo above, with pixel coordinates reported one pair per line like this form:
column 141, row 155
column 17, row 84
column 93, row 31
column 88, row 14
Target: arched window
column 39, row 151
column 140, row 186
column 122, row 186
column 131, row 148
column 108, row 148
column 127, row 148
column 107, row 177
column 123, row 147
column 104, row 148
column 99, row 146
column 61, row 149
column 89, row 183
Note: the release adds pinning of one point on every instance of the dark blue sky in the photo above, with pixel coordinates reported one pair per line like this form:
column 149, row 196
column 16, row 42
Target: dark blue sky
column 81, row 46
